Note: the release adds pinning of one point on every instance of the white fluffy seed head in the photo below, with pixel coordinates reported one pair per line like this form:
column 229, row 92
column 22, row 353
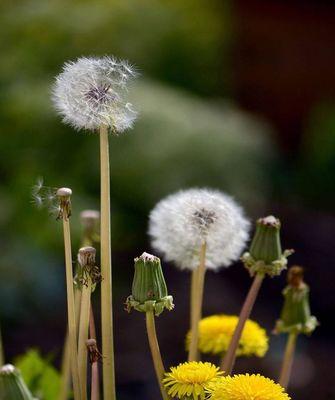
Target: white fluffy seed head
column 91, row 92
column 182, row 221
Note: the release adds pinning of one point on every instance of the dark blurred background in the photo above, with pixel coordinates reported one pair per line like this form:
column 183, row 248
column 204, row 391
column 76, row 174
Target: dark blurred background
column 238, row 96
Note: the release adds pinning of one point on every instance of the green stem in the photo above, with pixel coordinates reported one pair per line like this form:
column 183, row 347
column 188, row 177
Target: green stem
column 71, row 309
column 155, row 352
column 83, row 335
column 198, row 291
column 106, row 272
column 286, row 368
column 228, row 362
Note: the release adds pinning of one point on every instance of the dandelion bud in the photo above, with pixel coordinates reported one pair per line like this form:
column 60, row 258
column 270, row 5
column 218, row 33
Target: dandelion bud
column 296, row 315
column 149, row 291
column 86, row 256
column 87, row 268
column 64, row 197
column 12, row 386
column 90, row 220
column 265, row 255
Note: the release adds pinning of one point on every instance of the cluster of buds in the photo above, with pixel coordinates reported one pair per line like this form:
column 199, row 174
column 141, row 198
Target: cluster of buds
column 296, row 314
column 149, row 291
column 87, row 268
column 265, row 255
column 64, row 208
column 12, row 386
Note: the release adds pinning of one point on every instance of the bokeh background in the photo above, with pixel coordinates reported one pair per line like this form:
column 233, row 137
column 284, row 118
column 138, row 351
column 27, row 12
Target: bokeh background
column 236, row 95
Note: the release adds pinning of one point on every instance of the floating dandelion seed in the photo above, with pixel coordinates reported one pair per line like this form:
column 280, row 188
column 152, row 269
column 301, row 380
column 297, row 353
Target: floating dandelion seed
column 182, row 221
column 45, row 197
column 90, row 92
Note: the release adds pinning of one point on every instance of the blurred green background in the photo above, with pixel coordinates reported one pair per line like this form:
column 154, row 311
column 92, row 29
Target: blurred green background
column 232, row 95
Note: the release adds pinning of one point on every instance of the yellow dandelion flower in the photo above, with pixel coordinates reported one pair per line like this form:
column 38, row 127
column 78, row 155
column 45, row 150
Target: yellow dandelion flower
column 188, row 381
column 246, row 387
column 216, row 331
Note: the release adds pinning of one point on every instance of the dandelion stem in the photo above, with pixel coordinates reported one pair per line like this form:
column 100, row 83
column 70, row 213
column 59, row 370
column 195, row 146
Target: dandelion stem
column 83, row 334
column 95, row 367
column 66, row 364
column 194, row 278
column 286, row 368
column 106, row 272
column 155, row 352
column 71, row 309
column 229, row 359
column 197, row 292
column 2, row 354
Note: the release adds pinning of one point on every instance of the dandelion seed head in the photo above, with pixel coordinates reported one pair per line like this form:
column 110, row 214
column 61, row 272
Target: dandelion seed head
column 7, row 369
column 180, row 223
column 91, row 92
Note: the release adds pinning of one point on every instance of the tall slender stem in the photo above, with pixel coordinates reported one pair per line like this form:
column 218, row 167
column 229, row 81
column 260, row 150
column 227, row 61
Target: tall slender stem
column 194, row 278
column 286, row 368
column 229, row 359
column 95, row 393
column 2, row 354
column 155, row 352
column 83, row 335
column 106, row 272
column 71, row 309
column 197, row 303
column 66, row 364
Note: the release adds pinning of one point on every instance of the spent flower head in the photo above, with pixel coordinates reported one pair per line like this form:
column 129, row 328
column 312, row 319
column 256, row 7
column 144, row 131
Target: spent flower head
column 189, row 380
column 180, row 223
column 216, row 331
column 246, row 387
column 91, row 92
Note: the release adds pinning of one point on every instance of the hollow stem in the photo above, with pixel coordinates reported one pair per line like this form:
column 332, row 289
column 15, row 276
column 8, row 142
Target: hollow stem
column 83, row 335
column 155, row 352
column 197, row 292
column 72, row 326
column 229, row 359
column 95, row 392
column 106, row 272
column 66, row 367
column 194, row 277
column 286, row 368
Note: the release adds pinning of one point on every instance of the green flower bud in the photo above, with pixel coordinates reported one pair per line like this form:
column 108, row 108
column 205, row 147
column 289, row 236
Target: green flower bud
column 296, row 314
column 265, row 255
column 149, row 291
column 12, row 386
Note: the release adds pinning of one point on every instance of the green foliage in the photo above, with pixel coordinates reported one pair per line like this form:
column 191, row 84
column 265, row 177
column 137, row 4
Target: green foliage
column 41, row 377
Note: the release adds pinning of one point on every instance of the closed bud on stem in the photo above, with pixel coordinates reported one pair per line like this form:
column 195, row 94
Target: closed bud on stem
column 265, row 255
column 12, row 386
column 87, row 268
column 64, row 197
column 296, row 314
column 149, row 291
column 90, row 220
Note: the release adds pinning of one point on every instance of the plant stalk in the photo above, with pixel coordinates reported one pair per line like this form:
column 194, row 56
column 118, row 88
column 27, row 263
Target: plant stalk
column 229, row 359
column 155, row 352
column 72, row 326
column 287, row 364
column 66, row 365
column 197, row 292
column 95, row 392
column 83, row 335
column 106, row 272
